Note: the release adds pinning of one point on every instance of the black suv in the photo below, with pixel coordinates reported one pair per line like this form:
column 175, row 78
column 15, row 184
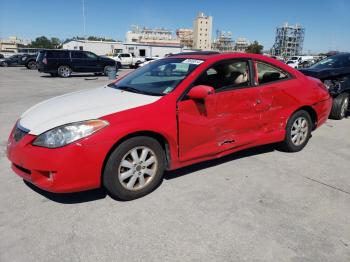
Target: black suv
column 334, row 72
column 63, row 62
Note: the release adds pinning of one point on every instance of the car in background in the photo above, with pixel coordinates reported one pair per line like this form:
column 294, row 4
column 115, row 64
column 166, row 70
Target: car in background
column 64, row 62
column 334, row 72
column 1, row 56
column 172, row 113
column 116, row 59
column 14, row 60
column 29, row 61
column 128, row 59
column 147, row 61
column 293, row 63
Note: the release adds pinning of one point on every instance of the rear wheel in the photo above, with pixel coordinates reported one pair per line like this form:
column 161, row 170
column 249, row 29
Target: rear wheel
column 64, row 71
column 4, row 64
column 340, row 106
column 298, row 132
column 135, row 168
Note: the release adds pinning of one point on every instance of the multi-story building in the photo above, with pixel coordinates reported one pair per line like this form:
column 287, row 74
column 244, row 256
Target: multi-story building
column 223, row 42
column 202, row 32
column 185, row 35
column 241, row 44
column 12, row 44
column 145, row 35
column 289, row 40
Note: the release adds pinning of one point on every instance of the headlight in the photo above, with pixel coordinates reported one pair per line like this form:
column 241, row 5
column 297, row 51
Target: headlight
column 331, row 84
column 66, row 134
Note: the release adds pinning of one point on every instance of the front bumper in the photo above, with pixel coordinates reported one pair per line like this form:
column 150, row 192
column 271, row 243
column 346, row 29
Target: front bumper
column 72, row 168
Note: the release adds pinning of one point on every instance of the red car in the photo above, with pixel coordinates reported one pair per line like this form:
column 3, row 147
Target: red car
column 171, row 113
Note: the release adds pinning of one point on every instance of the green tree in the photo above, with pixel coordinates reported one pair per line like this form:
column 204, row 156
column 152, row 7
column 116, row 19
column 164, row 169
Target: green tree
column 255, row 48
column 44, row 42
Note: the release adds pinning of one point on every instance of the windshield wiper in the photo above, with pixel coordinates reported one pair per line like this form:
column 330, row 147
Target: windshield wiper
column 135, row 90
column 130, row 89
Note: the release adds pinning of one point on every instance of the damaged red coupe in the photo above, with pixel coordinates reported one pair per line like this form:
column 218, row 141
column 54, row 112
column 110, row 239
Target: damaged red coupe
column 171, row 113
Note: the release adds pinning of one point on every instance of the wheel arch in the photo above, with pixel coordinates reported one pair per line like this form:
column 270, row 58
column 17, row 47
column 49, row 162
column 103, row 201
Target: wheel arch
column 157, row 136
column 312, row 113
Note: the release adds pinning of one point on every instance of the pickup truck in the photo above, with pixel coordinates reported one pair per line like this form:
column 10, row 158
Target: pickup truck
column 127, row 59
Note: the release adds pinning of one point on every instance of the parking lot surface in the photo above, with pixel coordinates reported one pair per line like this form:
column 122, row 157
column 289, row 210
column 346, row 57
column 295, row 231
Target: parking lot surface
column 256, row 205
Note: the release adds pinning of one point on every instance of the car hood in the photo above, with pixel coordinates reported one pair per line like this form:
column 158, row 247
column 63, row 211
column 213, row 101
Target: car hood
column 79, row 106
column 325, row 73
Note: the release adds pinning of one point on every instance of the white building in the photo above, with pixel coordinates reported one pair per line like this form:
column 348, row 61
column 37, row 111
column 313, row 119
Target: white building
column 12, row 44
column 146, row 35
column 97, row 47
column 152, row 50
column 202, row 32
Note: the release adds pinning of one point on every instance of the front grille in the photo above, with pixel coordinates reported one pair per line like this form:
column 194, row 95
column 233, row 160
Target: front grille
column 19, row 133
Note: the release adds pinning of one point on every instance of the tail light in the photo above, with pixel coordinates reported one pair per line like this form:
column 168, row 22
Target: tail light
column 45, row 61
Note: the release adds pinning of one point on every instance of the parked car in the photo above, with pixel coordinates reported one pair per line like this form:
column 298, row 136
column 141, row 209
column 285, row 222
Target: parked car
column 13, row 60
column 172, row 113
column 64, row 62
column 1, row 56
column 29, row 61
column 127, row 59
column 145, row 62
column 116, row 59
column 334, row 72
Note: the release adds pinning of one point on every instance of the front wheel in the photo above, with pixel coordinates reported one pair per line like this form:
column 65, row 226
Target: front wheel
column 135, row 168
column 340, row 106
column 298, row 132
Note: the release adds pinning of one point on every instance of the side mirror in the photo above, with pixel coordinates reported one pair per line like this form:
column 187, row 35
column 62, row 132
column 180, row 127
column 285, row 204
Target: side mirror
column 200, row 92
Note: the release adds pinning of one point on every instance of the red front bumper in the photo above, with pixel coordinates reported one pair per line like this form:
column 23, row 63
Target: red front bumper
column 72, row 168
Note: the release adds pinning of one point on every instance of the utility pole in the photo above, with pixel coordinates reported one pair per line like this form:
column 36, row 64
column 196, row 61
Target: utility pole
column 84, row 22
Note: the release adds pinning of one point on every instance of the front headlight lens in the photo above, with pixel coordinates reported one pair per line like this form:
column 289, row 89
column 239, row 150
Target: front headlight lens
column 66, row 134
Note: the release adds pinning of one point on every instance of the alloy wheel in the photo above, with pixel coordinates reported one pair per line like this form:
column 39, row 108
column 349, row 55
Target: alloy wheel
column 344, row 107
column 137, row 168
column 64, row 71
column 299, row 131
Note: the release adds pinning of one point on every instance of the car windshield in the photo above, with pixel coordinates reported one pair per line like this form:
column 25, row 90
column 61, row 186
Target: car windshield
column 333, row 62
column 159, row 77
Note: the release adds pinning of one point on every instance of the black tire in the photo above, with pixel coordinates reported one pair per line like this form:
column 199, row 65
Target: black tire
column 64, row 71
column 106, row 69
column 131, row 66
column 32, row 65
column 111, row 179
column 288, row 145
column 4, row 64
column 340, row 106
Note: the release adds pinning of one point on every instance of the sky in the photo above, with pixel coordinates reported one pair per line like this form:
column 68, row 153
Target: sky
column 327, row 23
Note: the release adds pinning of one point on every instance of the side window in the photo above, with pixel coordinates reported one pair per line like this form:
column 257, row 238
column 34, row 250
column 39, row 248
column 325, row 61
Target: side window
column 267, row 73
column 91, row 55
column 228, row 74
column 78, row 55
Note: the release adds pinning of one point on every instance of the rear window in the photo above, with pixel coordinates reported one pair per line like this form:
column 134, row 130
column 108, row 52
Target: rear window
column 57, row 54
